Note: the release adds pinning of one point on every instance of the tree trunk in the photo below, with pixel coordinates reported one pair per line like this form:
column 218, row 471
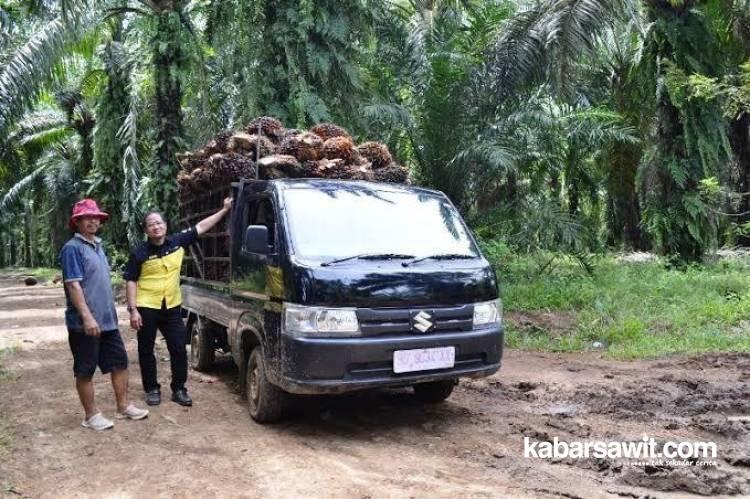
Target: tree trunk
column 13, row 249
column 739, row 137
column 624, row 211
column 109, row 150
column 680, row 225
column 3, row 262
column 28, row 237
column 167, row 59
column 554, row 185
column 87, row 149
column 574, row 198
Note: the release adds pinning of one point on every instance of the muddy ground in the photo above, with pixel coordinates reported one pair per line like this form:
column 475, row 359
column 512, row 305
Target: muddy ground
column 376, row 444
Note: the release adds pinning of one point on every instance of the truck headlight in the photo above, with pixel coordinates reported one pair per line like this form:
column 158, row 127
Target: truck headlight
column 488, row 312
column 318, row 321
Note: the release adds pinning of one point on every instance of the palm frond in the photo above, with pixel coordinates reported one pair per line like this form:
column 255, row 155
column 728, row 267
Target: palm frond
column 121, row 11
column 33, row 65
column 500, row 158
column 599, row 127
column 37, row 123
column 548, row 39
column 61, row 178
column 14, row 193
column 392, row 115
column 131, row 167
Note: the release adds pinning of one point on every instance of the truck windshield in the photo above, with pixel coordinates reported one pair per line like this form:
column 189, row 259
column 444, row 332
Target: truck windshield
column 343, row 222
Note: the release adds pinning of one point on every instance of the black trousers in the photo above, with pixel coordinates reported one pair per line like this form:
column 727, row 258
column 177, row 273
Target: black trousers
column 169, row 322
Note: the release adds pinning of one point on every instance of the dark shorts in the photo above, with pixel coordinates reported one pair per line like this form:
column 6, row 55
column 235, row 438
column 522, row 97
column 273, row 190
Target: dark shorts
column 107, row 351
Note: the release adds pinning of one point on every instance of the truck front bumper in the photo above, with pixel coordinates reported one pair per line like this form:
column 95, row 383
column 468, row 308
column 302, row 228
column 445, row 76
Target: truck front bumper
column 337, row 365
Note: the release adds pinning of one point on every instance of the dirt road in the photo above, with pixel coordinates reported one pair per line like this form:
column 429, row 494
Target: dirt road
column 381, row 444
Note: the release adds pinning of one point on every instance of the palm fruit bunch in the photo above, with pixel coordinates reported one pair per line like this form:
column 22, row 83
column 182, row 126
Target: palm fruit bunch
column 280, row 166
column 392, row 174
column 328, row 131
column 268, row 126
column 376, row 153
column 265, row 149
column 218, row 144
column 303, row 146
column 339, row 147
column 249, row 144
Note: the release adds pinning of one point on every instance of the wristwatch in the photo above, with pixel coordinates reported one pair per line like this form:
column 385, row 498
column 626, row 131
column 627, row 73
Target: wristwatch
column 130, row 309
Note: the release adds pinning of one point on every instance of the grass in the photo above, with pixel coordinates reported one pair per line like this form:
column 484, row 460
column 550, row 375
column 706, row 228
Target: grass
column 629, row 310
column 5, row 374
column 41, row 273
column 6, row 435
column 46, row 274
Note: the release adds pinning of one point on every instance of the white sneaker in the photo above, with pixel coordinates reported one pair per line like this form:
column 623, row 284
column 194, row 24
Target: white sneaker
column 98, row 422
column 132, row 412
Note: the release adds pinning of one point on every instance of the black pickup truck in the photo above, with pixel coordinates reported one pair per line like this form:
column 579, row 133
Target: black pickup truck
column 326, row 286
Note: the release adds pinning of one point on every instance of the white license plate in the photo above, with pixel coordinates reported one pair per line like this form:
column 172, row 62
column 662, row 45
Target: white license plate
column 423, row 359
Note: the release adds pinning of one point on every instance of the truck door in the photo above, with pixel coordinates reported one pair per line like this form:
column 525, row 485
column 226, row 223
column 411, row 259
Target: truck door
column 257, row 279
column 250, row 269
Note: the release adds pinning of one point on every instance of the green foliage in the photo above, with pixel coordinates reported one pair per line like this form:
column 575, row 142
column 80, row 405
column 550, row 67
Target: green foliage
column 599, row 120
column 36, row 62
column 108, row 180
column 169, row 59
column 634, row 310
column 5, row 375
column 306, row 57
column 433, row 52
column 689, row 142
column 539, row 225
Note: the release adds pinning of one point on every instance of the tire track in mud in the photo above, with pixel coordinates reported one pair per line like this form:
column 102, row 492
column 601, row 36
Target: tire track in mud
column 673, row 402
column 383, row 443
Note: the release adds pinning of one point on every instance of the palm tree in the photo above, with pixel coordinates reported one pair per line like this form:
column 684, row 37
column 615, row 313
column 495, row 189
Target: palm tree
column 109, row 153
column 298, row 61
column 688, row 139
column 431, row 50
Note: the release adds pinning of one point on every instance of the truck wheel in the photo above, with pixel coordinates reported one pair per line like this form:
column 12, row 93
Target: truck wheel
column 434, row 391
column 265, row 401
column 202, row 352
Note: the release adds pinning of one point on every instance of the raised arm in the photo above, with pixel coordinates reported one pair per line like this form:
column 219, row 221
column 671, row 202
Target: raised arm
column 207, row 223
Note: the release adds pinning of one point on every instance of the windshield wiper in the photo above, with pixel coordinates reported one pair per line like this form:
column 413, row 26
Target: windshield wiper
column 442, row 256
column 368, row 256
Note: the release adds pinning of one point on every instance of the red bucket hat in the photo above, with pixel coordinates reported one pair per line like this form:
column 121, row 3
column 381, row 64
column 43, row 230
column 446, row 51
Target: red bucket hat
column 86, row 208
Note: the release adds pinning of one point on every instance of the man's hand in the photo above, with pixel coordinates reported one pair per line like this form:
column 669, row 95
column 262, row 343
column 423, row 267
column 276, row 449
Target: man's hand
column 207, row 223
column 91, row 327
column 136, row 322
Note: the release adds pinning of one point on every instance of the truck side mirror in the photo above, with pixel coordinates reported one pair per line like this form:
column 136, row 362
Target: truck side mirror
column 256, row 239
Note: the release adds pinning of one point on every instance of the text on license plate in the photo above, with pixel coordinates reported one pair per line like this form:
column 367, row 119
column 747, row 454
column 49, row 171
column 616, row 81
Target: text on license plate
column 423, row 359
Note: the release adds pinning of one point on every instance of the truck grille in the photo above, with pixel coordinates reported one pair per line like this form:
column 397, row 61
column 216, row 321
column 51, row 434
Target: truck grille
column 408, row 321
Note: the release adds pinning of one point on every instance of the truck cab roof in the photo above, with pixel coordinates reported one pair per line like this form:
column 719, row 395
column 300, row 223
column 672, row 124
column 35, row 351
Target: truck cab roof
column 334, row 184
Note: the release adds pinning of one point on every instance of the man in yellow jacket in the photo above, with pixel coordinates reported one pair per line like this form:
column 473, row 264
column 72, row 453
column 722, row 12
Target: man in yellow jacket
column 153, row 291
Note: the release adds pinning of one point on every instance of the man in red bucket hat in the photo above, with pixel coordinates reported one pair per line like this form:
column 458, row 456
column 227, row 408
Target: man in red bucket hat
column 84, row 208
column 91, row 317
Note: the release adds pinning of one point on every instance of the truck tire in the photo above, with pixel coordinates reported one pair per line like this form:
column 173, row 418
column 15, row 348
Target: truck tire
column 265, row 401
column 434, row 391
column 202, row 351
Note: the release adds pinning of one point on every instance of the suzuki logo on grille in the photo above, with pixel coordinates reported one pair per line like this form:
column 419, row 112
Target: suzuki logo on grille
column 422, row 322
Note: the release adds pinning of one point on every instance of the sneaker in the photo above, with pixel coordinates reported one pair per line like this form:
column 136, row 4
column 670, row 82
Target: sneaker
column 132, row 412
column 153, row 397
column 97, row 422
column 182, row 397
